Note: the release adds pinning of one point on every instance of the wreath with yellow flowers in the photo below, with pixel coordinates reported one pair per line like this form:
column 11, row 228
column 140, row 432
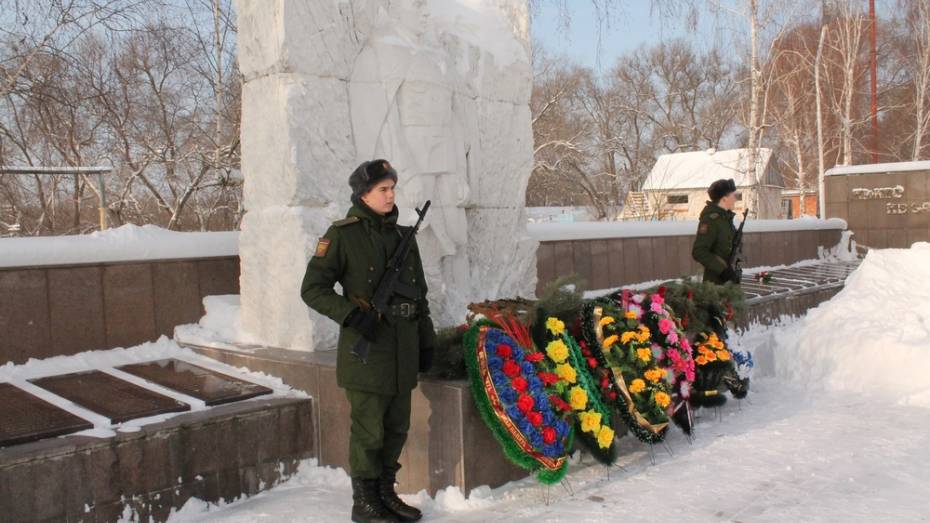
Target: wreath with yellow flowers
column 593, row 419
column 623, row 346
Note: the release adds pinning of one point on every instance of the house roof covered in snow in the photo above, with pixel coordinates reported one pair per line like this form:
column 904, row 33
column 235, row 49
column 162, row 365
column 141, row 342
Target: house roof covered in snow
column 872, row 168
column 699, row 169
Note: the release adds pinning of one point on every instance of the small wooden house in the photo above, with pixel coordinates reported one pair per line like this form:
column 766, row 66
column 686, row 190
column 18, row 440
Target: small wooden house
column 676, row 188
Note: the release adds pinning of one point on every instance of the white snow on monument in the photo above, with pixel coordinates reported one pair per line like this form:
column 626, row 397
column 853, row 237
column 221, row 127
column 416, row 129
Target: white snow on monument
column 440, row 88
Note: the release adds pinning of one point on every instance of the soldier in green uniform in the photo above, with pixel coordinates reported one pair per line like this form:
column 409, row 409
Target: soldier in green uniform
column 715, row 233
column 711, row 249
column 354, row 252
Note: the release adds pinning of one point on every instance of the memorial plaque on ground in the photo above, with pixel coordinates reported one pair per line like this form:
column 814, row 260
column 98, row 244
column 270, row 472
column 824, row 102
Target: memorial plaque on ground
column 25, row 418
column 212, row 387
column 110, row 396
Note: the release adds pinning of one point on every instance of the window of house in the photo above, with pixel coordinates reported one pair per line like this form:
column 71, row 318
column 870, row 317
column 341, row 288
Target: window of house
column 786, row 209
column 677, row 198
column 739, row 196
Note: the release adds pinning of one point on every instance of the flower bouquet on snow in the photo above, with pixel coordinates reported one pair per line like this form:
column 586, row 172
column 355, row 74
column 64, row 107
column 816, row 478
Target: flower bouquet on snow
column 670, row 346
column 519, row 396
column 718, row 371
column 578, row 389
column 622, row 345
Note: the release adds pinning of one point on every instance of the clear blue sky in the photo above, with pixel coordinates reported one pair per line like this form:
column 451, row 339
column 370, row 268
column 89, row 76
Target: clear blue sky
column 629, row 27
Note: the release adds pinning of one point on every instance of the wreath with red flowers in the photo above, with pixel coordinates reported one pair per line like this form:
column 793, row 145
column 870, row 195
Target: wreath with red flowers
column 519, row 400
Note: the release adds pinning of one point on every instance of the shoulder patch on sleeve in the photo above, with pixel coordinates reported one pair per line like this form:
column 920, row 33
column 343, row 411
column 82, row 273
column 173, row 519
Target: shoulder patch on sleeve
column 345, row 221
column 322, row 245
column 702, row 229
column 714, row 215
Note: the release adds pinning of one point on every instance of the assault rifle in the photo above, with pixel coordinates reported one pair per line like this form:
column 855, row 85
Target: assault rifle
column 735, row 260
column 390, row 284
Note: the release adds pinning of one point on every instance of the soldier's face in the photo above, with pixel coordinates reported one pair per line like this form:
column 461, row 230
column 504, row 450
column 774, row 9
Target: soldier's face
column 381, row 197
column 728, row 201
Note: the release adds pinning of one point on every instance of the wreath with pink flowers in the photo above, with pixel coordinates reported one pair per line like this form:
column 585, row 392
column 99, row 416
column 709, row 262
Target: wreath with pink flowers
column 669, row 344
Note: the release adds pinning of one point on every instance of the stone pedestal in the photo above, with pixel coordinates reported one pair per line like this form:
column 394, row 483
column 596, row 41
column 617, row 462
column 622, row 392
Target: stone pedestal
column 441, row 89
column 448, row 443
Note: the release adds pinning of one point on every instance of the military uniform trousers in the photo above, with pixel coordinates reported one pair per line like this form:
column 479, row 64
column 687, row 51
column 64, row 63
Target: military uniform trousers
column 379, row 430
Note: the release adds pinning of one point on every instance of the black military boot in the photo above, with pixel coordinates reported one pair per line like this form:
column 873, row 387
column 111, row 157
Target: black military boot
column 389, row 497
column 366, row 503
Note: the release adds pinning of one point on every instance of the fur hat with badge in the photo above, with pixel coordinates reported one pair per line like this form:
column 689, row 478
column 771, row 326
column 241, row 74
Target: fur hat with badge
column 721, row 188
column 369, row 174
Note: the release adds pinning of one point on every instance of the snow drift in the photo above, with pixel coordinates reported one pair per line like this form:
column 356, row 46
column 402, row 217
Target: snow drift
column 873, row 337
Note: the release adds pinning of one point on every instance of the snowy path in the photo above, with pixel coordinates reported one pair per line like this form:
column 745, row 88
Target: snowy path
column 785, row 457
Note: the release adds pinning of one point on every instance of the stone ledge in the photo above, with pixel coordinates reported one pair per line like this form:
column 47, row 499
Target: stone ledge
column 448, row 443
column 217, row 454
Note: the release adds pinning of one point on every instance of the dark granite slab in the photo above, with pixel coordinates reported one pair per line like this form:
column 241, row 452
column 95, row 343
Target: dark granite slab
column 110, row 396
column 212, row 387
column 25, row 418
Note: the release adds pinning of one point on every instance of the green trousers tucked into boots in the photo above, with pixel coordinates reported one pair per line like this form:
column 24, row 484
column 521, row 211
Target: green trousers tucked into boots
column 379, row 431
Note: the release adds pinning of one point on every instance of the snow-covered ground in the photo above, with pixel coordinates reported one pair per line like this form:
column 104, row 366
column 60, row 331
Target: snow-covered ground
column 783, row 455
column 824, row 435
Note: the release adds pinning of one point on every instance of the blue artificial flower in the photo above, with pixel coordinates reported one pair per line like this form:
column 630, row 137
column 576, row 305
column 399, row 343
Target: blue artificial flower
column 518, row 355
column 528, row 368
column 525, row 427
column 514, row 413
column 495, row 363
column 535, row 438
column 551, row 451
column 536, row 388
column 508, row 395
column 548, row 416
column 561, row 428
column 500, row 381
column 534, row 382
column 542, row 402
column 743, row 359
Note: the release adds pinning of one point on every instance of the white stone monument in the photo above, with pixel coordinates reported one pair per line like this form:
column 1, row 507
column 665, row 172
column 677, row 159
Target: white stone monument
column 440, row 88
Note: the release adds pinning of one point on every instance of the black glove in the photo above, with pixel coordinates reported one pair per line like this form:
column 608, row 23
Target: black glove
column 363, row 322
column 426, row 358
column 728, row 275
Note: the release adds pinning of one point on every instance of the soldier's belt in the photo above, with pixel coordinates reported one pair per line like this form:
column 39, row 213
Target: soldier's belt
column 404, row 310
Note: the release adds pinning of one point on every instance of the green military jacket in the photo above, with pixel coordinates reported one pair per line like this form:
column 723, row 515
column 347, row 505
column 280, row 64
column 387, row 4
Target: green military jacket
column 354, row 253
column 714, row 241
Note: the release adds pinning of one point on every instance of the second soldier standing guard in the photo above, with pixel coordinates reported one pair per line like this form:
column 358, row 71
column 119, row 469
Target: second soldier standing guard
column 715, row 233
column 355, row 252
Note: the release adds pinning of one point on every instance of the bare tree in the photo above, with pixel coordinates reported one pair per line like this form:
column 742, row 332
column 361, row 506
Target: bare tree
column 565, row 137
column 599, row 137
column 156, row 96
column 918, row 25
column 846, row 51
column 821, row 200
